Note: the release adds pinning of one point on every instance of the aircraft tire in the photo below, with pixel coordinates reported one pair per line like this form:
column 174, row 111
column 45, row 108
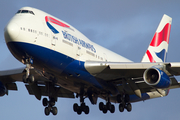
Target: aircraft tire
column 105, row 110
column 86, row 110
column 108, row 105
column 31, row 79
column 45, row 102
column 54, row 110
column 129, row 107
column 52, row 102
column 75, row 107
column 101, row 106
column 24, row 78
column 112, row 110
column 119, row 98
column 46, row 111
column 121, row 107
column 79, row 111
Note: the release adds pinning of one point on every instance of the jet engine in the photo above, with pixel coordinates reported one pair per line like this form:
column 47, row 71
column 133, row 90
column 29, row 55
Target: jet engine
column 156, row 78
column 3, row 89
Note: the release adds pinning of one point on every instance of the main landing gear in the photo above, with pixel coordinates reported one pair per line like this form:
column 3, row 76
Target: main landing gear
column 124, row 103
column 83, row 107
column 49, row 106
column 106, row 107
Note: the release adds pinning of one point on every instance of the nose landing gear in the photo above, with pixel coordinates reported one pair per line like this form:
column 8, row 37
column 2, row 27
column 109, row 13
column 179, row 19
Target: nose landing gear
column 28, row 78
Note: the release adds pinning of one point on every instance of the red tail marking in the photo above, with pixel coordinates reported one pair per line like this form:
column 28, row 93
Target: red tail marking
column 161, row 36
column 150, row 56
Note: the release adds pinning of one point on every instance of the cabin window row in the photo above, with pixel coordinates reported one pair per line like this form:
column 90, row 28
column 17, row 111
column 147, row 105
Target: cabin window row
column 34, row 31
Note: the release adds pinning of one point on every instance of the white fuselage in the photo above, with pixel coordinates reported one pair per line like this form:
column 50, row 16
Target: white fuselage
column 32, row 28
column 56, row 46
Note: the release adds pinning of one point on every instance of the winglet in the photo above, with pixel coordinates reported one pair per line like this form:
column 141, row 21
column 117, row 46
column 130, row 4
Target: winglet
column 158, row 47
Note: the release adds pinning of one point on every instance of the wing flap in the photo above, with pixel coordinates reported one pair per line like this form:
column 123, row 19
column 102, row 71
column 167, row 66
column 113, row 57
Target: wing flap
column 145, row 87
column 174, row 68
column 11, row 86
column 60, row 92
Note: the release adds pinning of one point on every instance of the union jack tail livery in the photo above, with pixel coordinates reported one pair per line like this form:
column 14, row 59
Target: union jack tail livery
column 158, row 47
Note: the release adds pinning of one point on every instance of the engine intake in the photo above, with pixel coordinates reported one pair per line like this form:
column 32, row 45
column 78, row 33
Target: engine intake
column 156, row 78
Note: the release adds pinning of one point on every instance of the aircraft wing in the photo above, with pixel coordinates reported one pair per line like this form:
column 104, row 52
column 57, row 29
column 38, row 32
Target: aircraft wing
column 9, row 77
column 116, row 72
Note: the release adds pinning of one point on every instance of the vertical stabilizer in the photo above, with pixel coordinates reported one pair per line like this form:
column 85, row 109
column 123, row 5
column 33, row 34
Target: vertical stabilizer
column 158, row 47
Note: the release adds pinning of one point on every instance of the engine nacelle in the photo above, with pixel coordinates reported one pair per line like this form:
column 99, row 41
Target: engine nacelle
column 156, row 78
column 3, row 89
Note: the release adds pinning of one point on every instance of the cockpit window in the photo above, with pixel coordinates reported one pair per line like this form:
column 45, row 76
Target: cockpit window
column 19, row 11
column 25, row 11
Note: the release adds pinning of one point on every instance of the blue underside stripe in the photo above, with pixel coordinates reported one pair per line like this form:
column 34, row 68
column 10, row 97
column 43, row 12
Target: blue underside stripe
column 52, row 60
column 134, row 98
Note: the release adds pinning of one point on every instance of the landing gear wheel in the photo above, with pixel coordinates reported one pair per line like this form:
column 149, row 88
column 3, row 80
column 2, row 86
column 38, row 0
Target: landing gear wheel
column 108, row 105
column 119, row 98
column 52, row 102
column 50, row 106
column 31, row 79
column 24, row 79
column 45, row 102
column 54, row 110
column 86, row 110
column 101, row 106
column 81, row 108
column 83, row 105
column 121, row 107
column 47, row 111
column 104, row 110
column 79, row 111
column 112, row 110
column 75, row 107
column 129, row 107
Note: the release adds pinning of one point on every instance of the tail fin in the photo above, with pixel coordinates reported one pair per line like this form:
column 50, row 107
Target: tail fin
column 158, row 47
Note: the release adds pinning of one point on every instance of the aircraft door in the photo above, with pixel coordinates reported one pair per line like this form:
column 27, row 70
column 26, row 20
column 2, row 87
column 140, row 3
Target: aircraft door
column 53, row 40
column 105, row 57
column 77, row 51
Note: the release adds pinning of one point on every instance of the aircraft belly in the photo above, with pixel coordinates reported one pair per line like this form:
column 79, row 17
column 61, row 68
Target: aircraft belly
column 42, row 57
column 71, row 71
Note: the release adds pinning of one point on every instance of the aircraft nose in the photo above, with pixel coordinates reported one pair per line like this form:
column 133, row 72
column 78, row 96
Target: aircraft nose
column 11, row 32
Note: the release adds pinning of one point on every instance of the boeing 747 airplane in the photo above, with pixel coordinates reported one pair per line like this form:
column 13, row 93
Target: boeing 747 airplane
column 61, row 62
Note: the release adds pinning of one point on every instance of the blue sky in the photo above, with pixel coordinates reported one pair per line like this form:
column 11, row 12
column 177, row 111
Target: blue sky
column 125, row 27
